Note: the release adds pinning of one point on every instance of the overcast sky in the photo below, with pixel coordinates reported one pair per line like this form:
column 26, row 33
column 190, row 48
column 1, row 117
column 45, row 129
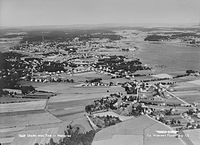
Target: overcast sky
column 67, row 12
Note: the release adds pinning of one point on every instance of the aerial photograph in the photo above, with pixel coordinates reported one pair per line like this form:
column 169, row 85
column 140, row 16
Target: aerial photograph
column 99, row 72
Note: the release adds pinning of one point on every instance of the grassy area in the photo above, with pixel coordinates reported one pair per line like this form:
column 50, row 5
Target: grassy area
column 23, row 106
column 15, row 100
column 81, row 93
column 42, row 136
column 138, row 129
column 194, row 135
column 196, row 82
column 189, row 96
column 185, row 86
column 30, row 119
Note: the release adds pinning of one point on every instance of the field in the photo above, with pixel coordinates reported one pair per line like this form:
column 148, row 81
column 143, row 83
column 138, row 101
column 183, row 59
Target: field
column 89, row 75
column 16, row 100
column 70, row 101
column 185, row 86
column 67, row 114
column 70, row 104
column 43, row 134
column 23, row 106
column 173, row 101
column 27, row 119
column 116, row 80
column 12, row 123
column 188, row 96
column 196, row 82
column 185, row 78
column 66, row 93
column 40, row 136
column 194, row 135
column 139, row 78
column 121, row 139
column 142, row 129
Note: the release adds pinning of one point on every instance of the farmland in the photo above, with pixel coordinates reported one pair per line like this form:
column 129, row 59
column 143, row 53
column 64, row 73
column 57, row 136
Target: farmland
column 71, row 76
column 23, row 106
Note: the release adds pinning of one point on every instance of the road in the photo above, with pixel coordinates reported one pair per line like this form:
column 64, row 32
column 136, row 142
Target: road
column 186, row 103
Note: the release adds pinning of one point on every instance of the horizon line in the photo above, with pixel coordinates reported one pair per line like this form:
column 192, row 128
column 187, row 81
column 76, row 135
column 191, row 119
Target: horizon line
column 110, row 25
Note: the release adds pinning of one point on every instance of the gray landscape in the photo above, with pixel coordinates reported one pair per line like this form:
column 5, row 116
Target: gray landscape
column 99, row 72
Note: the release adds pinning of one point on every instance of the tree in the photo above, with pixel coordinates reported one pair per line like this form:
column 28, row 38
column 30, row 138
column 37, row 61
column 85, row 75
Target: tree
column 173, row 121
column 51, row 142
column 161, row 119
column 28, row 78
column 27, row 89
column 59, row 80
column 131, row 90
column 190, row 71
column 168, row 112
column 190, row 112
column 188, row 124
column 88, row 108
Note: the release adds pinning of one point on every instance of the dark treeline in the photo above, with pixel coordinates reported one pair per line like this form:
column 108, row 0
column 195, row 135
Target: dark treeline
column 117, row 63
column 156, row 38
column 52, row 66
column 172, row 35
column 56, row 35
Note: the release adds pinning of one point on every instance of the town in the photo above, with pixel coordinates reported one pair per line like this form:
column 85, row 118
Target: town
column 82, row 84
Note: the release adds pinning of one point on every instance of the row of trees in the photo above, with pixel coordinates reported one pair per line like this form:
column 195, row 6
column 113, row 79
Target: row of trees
column 156, row 38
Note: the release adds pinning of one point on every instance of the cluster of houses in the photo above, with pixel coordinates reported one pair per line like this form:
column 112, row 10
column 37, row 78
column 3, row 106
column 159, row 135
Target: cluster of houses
column 57, row 57
column 50, row 78
column 95, row 84
column 179, row 116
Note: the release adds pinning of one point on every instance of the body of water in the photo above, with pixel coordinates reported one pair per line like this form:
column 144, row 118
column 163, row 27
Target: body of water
column 169, row 57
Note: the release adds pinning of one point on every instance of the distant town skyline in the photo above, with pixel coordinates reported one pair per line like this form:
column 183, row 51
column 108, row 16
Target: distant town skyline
column 74, row 12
